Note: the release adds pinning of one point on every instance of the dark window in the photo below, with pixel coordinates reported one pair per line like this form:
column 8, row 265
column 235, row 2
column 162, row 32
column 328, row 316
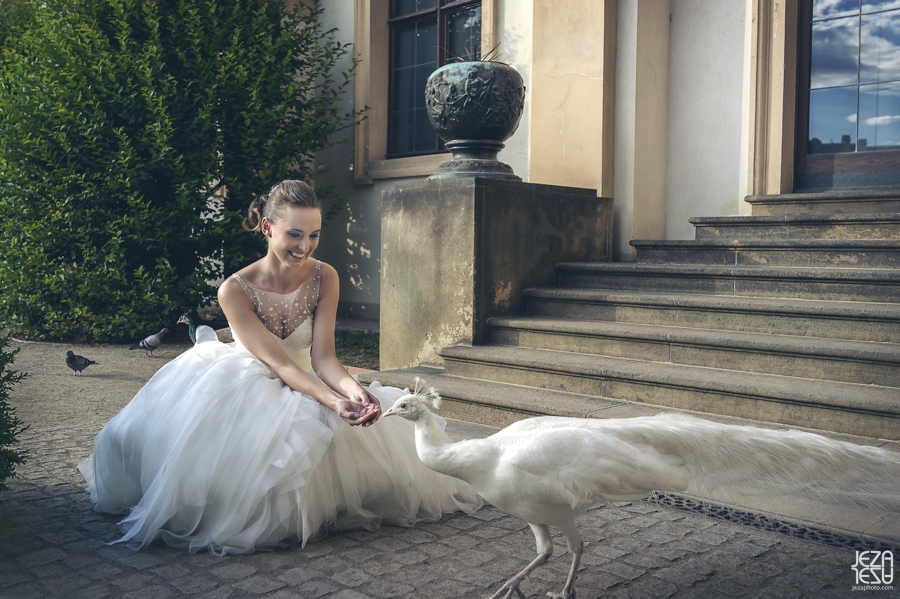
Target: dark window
column 425, row 35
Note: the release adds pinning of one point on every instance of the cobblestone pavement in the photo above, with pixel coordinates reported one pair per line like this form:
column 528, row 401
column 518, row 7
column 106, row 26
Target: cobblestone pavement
column 53, row 544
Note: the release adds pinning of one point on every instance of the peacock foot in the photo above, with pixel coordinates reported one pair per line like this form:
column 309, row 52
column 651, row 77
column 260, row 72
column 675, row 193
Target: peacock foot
column 510, row 586
column 566, row 594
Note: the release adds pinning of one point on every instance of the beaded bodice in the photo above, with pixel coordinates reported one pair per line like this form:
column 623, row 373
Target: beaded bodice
column 288, row 316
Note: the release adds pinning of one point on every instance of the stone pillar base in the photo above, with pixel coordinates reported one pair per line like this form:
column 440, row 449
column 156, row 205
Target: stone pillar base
column 456, row 252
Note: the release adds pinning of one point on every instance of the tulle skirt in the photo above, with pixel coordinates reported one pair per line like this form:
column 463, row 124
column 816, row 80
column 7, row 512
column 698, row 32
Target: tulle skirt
column 216, row 453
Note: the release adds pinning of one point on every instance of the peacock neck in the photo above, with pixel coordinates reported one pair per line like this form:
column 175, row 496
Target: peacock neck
column 439, row 453
column 430, row 445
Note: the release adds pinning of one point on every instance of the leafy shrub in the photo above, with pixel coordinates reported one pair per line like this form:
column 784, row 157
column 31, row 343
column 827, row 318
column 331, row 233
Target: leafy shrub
column 10, row 426
column 135, row 134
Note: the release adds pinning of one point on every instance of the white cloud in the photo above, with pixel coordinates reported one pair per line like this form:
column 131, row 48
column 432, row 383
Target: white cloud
column 882, row 120
column 852, row 117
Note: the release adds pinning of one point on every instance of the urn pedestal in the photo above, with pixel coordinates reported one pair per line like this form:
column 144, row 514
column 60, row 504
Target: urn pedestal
column 456, row 252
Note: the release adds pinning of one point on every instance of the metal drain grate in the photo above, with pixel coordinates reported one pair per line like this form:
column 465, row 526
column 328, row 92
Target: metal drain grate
column 811, row 534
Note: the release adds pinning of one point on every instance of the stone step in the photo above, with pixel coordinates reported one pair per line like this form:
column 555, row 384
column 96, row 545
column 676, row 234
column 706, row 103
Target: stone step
column 832, row 202
column 859, row 321
column 867, row 253
column 799, row 226
column 828, row 405
column 838, row 284
column 786, row 355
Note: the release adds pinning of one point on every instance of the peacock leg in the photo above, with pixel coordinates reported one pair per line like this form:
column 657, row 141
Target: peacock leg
column 544, row 549
column 576, row 546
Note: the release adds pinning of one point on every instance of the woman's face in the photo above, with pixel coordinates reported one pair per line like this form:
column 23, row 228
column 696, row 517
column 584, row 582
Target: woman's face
column 293, row 237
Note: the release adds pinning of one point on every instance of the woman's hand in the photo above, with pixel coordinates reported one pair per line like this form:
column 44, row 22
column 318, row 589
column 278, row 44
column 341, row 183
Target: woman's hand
column 354, row 412
column 366, row 407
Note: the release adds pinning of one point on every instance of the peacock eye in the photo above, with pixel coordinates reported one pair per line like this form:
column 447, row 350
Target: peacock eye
column 403, row 405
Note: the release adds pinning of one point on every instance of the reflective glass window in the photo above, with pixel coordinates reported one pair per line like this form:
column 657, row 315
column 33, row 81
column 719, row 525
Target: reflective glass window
column 854, row 77
column 879, row 117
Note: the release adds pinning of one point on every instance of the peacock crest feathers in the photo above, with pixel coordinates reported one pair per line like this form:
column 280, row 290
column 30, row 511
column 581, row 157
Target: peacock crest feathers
column 426, row 394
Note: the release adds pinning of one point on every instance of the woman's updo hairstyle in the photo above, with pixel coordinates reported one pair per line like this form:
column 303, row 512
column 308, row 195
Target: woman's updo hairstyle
column 271, row 205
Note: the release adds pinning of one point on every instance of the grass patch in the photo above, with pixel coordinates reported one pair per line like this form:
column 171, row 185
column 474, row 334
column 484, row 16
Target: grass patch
column 357, row 349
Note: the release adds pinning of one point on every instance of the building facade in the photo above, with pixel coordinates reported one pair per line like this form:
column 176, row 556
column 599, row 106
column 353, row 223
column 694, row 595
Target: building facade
column 674, row 108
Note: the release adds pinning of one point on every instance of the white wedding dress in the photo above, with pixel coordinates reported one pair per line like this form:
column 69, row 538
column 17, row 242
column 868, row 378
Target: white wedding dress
column 215, row 452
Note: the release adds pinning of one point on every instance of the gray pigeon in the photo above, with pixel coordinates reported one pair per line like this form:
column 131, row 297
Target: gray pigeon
column 77, row 363
column 152, row 342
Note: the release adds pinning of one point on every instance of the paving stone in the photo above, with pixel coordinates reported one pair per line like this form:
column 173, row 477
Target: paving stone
column 747, row 549
column 140, row 561
column 100, row 571
column 479, row 577
column 383, row 588
column 132, row 582
column 352, row 577
column 683, row 577
column 299, row 575
column 114, row 551
column 623, row 571
column 171, row 571
column 609, row 552
column 150, row 592
column 191, row 584
column 462, row 542
column 44, row 556
column 645, row 560
column 436, row 550
column 97, row 591
column 389, row 545
column 259, row 585
column 54, row 570
column 473, row 557
column 489, row 532
column 512, row 524
column 64, row 584
column 463, row 523
column 647, row 588
column 350, row 594
column 315, row 588
column 234, row 571
column 61, row 537
column 25, row 591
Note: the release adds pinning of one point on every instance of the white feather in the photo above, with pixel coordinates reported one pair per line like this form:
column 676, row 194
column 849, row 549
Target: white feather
column 548, row 470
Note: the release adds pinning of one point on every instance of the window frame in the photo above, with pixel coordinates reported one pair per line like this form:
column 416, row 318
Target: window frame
column 372, row 42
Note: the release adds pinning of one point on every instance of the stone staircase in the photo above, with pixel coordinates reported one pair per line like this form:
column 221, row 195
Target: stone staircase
column 790, row 316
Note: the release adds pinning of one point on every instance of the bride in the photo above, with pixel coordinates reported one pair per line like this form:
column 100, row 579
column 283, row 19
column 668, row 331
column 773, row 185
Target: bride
column 267, row 441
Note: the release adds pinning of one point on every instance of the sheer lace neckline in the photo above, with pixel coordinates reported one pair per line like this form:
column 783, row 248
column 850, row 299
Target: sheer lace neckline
column 284, row 313
column 299, row 287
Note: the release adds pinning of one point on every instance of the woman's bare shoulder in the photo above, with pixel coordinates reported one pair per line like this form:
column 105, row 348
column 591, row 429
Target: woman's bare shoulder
column 328, row 271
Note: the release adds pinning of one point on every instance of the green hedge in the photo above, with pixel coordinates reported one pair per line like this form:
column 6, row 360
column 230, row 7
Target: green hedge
column 121, row 119
column 10, row 426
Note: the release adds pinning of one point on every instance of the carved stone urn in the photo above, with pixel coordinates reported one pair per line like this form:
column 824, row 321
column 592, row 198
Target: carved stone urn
column 475, row 106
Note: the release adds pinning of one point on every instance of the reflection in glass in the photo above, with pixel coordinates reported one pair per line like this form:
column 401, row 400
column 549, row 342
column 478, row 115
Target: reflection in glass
column 873, row 5
column 879, row 53
column 832, row 120
column 835, row 50
column 834, row 8
column 464, row 35
column 405, row 7
column 879, row 117
column 414, row 59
